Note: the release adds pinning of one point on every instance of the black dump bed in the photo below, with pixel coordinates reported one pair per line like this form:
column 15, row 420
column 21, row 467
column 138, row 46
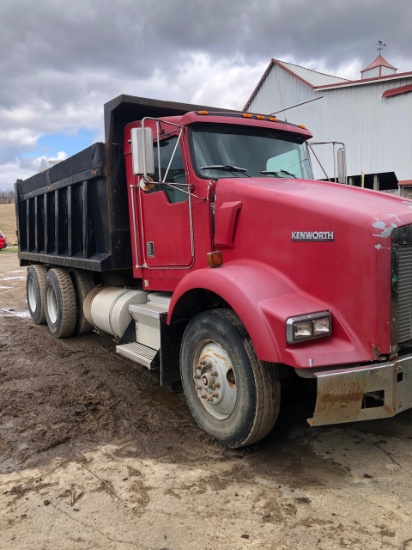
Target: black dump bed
column 76, row 213
column 71, row 215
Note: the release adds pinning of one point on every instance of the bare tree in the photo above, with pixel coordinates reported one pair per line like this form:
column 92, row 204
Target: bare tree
column 6, row 196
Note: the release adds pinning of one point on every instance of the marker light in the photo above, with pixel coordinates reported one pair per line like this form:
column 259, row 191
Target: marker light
column 214, row 259
column 260, row 117
column 308, row 327
column 272, row 119
column 247, row 115
column 203, row 112
column 302, row 126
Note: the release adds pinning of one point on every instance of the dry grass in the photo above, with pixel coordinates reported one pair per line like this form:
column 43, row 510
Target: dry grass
column 8, row 223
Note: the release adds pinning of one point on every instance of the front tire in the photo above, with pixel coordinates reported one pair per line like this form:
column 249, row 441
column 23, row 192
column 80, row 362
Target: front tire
column 232, row 395
column 60, row 303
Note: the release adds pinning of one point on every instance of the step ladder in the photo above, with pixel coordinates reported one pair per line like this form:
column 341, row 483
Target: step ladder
column 148, row 319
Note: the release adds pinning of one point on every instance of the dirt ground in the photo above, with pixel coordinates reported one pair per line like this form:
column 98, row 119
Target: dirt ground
column 94, row 454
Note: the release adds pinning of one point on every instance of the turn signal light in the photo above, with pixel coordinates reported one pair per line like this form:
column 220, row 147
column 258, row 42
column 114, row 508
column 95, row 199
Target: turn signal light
column 214, row 259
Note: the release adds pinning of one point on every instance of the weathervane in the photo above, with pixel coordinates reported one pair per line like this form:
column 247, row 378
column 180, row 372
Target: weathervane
column 381, row 45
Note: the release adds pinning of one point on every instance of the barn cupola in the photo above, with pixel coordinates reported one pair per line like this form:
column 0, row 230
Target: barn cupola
column 379, row 66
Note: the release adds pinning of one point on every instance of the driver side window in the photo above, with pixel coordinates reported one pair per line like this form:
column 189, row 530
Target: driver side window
column 176, row 173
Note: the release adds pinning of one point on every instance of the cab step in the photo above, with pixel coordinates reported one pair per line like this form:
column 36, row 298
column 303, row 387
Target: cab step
column 149, row 322
column 138, row 353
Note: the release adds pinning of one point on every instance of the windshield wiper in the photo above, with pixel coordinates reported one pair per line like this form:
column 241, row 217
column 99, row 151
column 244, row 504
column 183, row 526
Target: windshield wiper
column 226, row 168
column 277, row 172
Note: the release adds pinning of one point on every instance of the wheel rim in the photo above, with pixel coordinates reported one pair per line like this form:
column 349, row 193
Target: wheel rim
column 31, row 295
column 214, row 380
column 51, row 304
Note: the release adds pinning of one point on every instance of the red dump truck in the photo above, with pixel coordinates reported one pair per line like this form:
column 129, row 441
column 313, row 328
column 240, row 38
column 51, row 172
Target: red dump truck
column 199, row 240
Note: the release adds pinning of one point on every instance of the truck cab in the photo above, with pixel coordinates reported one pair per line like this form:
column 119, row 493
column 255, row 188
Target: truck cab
column 189, row 156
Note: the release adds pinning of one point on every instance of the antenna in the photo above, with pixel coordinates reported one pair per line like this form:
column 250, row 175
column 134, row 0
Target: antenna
column 297, row 105
column 381, row 45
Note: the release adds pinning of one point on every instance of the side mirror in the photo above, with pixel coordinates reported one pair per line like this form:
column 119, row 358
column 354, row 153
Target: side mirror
column 142, row 151
column 341, row 160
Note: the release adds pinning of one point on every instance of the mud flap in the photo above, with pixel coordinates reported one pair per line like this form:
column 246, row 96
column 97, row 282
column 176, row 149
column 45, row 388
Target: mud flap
column 171, row 338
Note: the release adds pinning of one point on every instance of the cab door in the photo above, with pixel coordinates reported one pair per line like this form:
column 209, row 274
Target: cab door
column 166, row 216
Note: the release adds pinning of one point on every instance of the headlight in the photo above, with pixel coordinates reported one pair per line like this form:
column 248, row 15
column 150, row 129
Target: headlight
column 308, row 327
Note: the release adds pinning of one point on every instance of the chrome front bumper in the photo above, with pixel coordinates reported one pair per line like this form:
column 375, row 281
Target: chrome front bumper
column 363, row 393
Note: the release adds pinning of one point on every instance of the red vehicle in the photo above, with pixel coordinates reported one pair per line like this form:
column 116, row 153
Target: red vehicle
column 3, row 241
column 200, row 240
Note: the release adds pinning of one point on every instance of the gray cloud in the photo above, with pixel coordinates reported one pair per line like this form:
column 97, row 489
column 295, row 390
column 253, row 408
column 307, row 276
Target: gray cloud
column 61, row 61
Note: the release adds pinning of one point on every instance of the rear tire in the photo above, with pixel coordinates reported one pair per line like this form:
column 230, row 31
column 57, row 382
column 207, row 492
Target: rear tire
column 83, row 283
column 35, row 292
column 232, row 395
column 60, row 303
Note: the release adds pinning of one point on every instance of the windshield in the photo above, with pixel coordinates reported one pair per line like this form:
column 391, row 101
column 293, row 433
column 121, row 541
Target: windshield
column 224, row 150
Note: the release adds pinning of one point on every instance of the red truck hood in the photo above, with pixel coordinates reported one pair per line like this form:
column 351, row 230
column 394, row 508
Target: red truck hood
column 330, row 242
column 324, row 199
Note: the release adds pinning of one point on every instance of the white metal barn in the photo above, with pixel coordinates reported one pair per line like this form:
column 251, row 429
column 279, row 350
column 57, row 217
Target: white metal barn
column 371, row 116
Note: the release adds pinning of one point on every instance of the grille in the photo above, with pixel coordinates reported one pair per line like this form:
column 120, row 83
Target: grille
column 404, row 294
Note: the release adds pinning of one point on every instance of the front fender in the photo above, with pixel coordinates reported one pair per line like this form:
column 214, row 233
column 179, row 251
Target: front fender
column 261, row 297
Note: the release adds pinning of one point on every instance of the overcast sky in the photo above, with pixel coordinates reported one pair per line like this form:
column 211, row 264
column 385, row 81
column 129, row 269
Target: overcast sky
column 61, row 61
